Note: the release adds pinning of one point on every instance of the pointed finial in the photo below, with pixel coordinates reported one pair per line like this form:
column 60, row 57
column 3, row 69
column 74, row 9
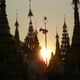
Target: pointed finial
column 64, row 19
column 16, row 30
column 16, row 24
column 57, row 33
column 16, row 15
column 56, row 30
column 30, row 14
column 64, row 25
column 30, row 4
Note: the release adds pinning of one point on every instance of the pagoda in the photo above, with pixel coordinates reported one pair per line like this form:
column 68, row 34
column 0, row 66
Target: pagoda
column 75, row 46
column 58, row 49
column 74, row 57
column 65, row 44
column 32, row 50
column 11, row 63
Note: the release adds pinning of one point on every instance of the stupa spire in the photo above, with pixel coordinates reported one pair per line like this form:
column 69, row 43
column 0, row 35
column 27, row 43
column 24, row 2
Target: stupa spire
column 64, row 19
column 16, row 30
column 75, row 46
column 65, row 41
column 4, row 26
column 30, row 14
column 76, row 31
column 57, row 52
column 74, row 57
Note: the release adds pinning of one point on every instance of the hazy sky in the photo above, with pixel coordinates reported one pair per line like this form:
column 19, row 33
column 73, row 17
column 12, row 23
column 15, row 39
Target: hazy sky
column 54, row 10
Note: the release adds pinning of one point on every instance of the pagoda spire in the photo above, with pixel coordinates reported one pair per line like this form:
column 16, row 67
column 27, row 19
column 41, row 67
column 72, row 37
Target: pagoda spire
column 65, row 41
column 74, row 57
column 4, row 26
column 16, row 30
column 29, row 40
column 75, row 46
column 57, row 52
column 30, row 14
column 76, row 31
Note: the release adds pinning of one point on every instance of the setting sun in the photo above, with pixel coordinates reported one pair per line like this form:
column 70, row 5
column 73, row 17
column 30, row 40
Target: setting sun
column 46, row 54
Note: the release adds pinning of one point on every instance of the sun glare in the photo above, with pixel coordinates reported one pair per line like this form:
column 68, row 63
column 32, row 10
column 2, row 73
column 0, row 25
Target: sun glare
column 46, row 54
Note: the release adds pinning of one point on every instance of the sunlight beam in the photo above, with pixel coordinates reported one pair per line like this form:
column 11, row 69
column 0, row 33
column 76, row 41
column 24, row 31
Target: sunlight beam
column 46, row 55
